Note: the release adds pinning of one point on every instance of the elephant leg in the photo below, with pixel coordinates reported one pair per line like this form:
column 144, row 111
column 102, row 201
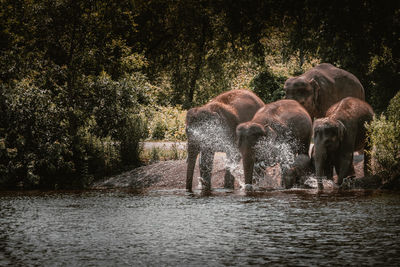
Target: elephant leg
column 287, row 180
column 351, row 171
column 206, row 164
column 193, row 151
column 329, row 171
column 345, row 162
column 229, row 178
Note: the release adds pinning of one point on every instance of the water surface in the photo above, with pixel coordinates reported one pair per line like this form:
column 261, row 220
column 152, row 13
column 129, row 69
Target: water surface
column 119, row 228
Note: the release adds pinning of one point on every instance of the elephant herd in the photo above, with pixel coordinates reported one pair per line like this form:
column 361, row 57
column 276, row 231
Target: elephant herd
column 326, row 104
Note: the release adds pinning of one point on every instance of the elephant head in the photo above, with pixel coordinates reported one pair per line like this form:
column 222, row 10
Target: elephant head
column 328, row 136
column 303, row 91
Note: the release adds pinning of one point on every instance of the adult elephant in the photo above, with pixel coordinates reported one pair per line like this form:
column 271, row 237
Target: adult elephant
column 321, row 87
column 338, row 135
column 212, row 128
column 281, row 121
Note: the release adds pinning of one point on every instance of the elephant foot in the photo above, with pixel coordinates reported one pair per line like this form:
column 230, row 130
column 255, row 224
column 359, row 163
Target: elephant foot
column 248, row 188
column 205, row 184
column 229, row 185
column 189, row 190
column 348, row 183
column 320, row 183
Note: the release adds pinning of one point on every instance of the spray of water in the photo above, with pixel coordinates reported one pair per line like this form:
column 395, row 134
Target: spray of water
column 215, row 136
column 272, row 156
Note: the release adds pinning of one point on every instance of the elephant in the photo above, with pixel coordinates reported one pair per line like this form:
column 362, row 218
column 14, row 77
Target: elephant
column 281, row 121
column 338, row 135
column 321, row 87
column 212, row 128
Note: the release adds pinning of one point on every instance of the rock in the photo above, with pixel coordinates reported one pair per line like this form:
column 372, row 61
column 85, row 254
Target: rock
column 368, row 182
column 164, row 175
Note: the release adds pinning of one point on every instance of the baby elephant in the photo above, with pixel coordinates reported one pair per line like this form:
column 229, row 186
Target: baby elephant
column 283, row 121
column 338, row 135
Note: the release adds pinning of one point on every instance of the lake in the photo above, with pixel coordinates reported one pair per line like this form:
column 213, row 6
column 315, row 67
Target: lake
column 171, row 227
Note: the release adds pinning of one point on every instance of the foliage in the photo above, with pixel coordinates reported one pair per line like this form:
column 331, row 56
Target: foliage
column 393, row 110
column 156, row 154
column 40, row 150
column 268, row 87
column 204, row 45
column 167, row 123
column 384, row 141
column 82, row 83
column 71, row 92
column 384, row 136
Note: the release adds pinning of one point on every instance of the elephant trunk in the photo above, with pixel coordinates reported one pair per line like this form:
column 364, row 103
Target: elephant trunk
column 320, row 162
column 248, row 165
column 248, row 134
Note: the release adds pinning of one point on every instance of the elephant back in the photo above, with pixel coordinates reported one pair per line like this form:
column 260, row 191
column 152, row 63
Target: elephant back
column 334, row 84
column 243, row 102
column 353, row 113
column 288, row 119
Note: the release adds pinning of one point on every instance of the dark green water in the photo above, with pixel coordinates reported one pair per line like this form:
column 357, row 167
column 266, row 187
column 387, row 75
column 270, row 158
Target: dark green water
column 291, row 227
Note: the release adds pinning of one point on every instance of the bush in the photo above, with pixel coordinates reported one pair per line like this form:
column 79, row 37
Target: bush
column 163, row 153
column 47, row 142
column 384, row 141
column 267, row 86
column 167, row 123
column 393, row 109
column 159, row 131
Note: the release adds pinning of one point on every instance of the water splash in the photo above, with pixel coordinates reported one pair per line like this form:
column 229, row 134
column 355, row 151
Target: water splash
column 271, row 157
column 215, row 136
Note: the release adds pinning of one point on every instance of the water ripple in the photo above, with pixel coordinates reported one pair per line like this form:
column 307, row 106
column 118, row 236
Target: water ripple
column 276, row 228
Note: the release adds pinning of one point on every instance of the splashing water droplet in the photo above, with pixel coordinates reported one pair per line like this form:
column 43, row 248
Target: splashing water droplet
column 271, row 157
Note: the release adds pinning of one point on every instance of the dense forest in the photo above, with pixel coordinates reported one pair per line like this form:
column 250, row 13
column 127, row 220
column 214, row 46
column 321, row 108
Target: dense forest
column 79, row 79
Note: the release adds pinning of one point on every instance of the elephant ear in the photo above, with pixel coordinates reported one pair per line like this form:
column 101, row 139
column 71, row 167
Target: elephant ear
column 314, row 84
column 271, row 132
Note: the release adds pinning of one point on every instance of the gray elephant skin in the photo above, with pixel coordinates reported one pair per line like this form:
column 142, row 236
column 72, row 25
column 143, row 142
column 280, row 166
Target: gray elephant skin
column 283, row 120
column 321, row 87
column 338, row 135
column 212, row 128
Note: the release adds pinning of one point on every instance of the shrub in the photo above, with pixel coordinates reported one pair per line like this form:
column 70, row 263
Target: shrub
column 159, row 131
column 393, row 109
column 384, row 141
column 167, row 123
column 47, row 142
column 267, row 86
column 163, row 153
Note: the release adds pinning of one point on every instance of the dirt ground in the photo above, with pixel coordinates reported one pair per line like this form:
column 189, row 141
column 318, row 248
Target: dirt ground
column 172, row 175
